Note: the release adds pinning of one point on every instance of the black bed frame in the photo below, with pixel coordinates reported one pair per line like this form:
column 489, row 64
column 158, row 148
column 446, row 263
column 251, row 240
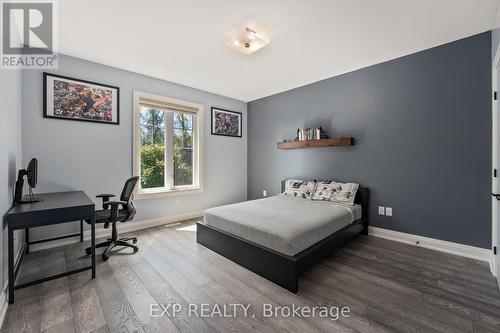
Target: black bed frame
column 281, row 269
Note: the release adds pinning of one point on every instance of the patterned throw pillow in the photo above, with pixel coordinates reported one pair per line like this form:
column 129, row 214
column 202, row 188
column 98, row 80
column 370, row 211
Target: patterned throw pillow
column 289, row 184
column 300, row 188
column 344, row 193
column 324, row 191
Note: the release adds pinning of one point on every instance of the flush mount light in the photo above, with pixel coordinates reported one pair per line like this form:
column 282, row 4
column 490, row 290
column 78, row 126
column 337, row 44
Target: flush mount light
column 246, row 40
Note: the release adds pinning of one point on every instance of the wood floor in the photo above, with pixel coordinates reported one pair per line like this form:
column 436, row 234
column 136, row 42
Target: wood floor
column 389, row 287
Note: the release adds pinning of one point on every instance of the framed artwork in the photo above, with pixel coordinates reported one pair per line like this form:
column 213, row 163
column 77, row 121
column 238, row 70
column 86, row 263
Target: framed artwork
column 73, row 99
column 226, row 123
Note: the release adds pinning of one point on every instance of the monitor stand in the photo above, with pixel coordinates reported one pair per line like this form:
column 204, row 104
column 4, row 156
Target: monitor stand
column 18, row 194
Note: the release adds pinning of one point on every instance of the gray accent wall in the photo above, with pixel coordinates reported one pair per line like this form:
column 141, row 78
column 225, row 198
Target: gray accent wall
column 422, row 129
column 10, row 154
column 97, row 158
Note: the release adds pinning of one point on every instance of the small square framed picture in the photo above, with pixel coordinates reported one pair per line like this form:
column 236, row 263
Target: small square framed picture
column 74, row 99
column 226, row 123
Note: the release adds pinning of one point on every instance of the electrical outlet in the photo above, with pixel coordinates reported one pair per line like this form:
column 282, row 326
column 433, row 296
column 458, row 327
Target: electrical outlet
column 264, row 193
column 388, row 211
column 381, row 210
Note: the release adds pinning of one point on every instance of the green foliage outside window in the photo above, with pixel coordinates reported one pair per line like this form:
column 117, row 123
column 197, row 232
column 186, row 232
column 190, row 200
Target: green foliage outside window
column 152, row 166
column 183, row 169
column 183, row 149
column 153, row 148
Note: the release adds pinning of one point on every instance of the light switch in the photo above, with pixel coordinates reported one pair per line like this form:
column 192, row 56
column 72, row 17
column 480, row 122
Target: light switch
column 381, row 210
column 388, row 211
column 264, row 193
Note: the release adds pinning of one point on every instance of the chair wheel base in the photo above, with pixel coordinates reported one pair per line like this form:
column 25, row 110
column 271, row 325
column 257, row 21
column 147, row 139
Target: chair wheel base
column 110, row 244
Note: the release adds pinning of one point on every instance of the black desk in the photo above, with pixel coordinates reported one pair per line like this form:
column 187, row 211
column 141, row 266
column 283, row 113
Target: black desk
column 55, row 208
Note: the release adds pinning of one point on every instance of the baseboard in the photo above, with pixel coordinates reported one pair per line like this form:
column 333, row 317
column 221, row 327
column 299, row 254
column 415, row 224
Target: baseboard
column 123, row 228
column 144, row 224
column 4, row 304
column 493, row 268
column 462, row 250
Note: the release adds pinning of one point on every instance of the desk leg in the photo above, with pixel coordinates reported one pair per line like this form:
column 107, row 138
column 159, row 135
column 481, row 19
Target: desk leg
column 81, row 231
column 92, row 244
column 12, row 273
column 27, row 239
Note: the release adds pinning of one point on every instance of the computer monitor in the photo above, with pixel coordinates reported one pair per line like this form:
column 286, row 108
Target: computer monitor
column 31, row 173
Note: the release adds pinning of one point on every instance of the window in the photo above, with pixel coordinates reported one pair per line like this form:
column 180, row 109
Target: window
column 167, row 145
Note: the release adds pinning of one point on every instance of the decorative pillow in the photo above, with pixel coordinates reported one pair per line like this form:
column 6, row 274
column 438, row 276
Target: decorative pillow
column 324, row 191
column 300, row 188
column 344, row 193
column 289, row 183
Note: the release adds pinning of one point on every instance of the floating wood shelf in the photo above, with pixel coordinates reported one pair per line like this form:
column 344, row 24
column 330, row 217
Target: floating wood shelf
column 333, row 142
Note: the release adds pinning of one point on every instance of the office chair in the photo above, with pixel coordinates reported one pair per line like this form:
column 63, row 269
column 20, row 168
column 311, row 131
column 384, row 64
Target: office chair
column 111, row 213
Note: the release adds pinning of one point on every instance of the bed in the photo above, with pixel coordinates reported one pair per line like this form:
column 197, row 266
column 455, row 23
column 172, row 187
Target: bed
column 279, row 236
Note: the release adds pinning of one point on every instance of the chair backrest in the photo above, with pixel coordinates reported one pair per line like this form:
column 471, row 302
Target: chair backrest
column 126, row 196
column 128, row 189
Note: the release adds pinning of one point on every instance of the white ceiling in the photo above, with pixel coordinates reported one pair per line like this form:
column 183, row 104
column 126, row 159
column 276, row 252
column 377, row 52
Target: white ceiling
column 183, row 41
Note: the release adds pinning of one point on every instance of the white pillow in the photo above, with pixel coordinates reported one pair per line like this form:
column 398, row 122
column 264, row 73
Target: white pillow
column 289, row 183
column 300, row 188
column 344, row 193
column 324, row 191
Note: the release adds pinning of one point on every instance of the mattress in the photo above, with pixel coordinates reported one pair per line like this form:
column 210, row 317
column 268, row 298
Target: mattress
column 282, row 223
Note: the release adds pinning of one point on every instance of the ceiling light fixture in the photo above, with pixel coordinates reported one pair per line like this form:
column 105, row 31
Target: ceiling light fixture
column 246, row 40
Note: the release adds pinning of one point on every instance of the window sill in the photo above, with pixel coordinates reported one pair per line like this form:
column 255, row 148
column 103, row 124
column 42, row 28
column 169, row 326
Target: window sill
column 161, row 193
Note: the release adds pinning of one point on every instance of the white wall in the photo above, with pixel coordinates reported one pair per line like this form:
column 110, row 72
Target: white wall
column 10, row 152
column 97, row 158
column 495, row 42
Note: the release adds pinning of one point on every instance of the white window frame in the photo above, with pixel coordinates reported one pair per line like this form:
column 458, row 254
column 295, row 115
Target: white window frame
column 174, row 105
